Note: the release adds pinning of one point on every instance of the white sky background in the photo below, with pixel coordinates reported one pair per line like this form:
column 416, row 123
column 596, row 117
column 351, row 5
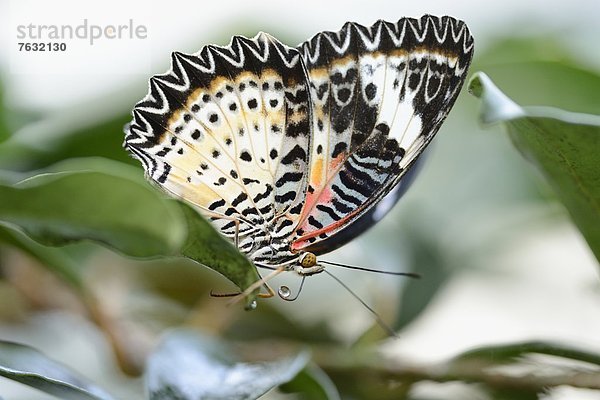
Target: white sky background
column 56, row 80
column 553, row 270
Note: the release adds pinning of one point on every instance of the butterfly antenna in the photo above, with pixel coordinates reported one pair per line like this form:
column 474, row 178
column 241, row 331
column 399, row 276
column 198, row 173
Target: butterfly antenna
column 408, row 274
column 379, row 320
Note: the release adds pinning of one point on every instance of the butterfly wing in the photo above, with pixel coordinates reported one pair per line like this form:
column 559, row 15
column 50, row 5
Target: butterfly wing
column 273, row 143
column 226, row 130
column 379, row 95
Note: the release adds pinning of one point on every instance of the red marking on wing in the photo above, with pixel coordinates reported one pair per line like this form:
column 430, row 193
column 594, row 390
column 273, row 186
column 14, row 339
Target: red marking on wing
column 301, row 242
column 312, row 199
column 323, row 193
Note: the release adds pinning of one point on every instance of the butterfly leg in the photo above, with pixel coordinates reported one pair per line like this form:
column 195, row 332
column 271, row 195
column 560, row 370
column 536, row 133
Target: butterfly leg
column 270, row 293
column 236, row 238
column 262, row 281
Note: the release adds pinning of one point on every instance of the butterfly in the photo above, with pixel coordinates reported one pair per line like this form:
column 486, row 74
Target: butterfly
column 293, row 152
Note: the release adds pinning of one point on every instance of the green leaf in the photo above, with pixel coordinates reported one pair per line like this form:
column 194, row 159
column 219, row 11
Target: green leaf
column 109, row 202
column 430, row 260
column 4, row 130
column 12, row 119
column 424, row 253
column 513, row 394
column 208, row 247
column 312, row 383
column 189, row 365
column 54, row 259
column 554, row 77
column 564, row 147
column 203, row 243
column 30, row 367
column 108, row 206
column 271, row 322
column 512, row 351
column 87, row 130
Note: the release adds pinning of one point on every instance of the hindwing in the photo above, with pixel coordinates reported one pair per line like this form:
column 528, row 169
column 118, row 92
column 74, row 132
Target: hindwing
column 379, row 95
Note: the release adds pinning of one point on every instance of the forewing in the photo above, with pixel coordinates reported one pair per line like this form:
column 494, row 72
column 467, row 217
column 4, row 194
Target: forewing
column 379, row 94
column 221, row 130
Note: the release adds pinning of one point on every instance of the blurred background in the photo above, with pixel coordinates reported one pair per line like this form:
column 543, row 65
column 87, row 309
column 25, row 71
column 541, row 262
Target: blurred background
column 500, row 259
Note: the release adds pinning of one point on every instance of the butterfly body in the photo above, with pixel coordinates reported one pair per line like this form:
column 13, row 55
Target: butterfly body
column 292, row 152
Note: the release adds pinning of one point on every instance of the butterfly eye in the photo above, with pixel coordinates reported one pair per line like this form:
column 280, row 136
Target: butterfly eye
column 308, row 260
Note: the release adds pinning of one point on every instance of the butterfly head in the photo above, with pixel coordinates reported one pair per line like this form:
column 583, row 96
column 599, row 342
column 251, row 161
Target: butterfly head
column 308, row 264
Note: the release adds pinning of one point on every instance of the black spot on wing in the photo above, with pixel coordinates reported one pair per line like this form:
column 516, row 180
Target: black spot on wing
column 370, row 91
column 216, row 204
column 165, row 174
column 248, row 181
column 245, row 155
column 284, row 198
column 285, row 223
column 340, row 207
column 297, row 153
column 344, row 195
column 329, row 211
column 298, row 129
column 289, row 177
column 312, row 220
column 338, row 149
column 263, row 195
column 241, row 197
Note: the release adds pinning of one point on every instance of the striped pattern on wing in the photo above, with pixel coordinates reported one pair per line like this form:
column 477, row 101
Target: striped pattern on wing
column 226, row 129
column 379, row 95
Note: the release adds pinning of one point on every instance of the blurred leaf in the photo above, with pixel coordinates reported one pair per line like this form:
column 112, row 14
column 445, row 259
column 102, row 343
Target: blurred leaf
column 109, row 202
column 41, row 149
column 515, row 49
column 564, row 147
column 203, row 243
column 54, row 259
column 88, row 130
column 270, row 322
column 12, row 119
column 510, row 352
column 429, row 259
column 176, row 279
column 540, row 71
column 189, row 365
column 312, row 383
column 108, row 207
column 30, row 367
column 513, row 394
column 540, row 377
column 209, row 248
column 4, row 130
